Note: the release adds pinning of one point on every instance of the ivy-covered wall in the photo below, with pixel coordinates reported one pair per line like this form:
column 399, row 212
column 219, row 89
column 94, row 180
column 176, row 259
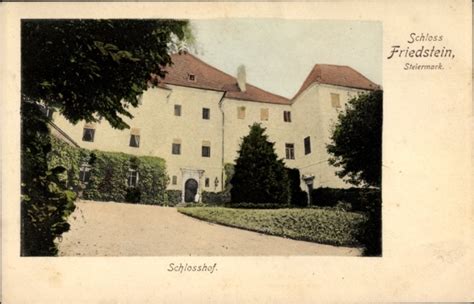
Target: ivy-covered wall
column 109, row 173
column 69, row 157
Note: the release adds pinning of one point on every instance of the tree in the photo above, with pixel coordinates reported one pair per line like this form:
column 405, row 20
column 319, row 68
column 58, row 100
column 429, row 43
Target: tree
column 357, row 148
column 259, row 176
column 86, row 70
column 45, row 202
column 356, row 142
column 299, row 198
column 89, row 69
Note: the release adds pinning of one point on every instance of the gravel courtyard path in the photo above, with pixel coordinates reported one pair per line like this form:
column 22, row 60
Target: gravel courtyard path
column 116, row 229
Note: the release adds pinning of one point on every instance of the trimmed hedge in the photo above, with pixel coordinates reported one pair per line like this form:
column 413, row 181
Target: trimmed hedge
column 220, row 198
column 360, row 199
column 371, row 231
column 299, row 198
column 257, row 206
column 109, row 173
column 366, row 200
column 173, row 197
column 216, row 198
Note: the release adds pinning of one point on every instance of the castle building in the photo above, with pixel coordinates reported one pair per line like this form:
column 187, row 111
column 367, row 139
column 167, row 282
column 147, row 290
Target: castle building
column 195, row 120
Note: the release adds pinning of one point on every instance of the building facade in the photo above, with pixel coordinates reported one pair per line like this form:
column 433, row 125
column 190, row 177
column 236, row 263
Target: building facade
column 195, row 120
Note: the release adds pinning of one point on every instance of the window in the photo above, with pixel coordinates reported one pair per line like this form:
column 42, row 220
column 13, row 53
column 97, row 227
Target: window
column 134, row 138
column 206, row 182
column 177, row 110
column 206, row 148
column 287, row 116
column 206, row 113
column 335, row 102
column 290, row 151
column 240, row 112
column 264, row 114
column 307, row 145
column 192, row 77
column 176, row 149
column 84, row 172
column 88, row 133
column 174, row 180
column 176, row 146
column 135, row 141
column 132, row 180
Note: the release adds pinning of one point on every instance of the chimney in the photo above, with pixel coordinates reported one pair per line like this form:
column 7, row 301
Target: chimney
column 241, row 78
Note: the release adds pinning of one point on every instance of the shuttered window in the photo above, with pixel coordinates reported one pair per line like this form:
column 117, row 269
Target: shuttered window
column 88, row 133
column 264, row 114
column 240, row 112
column 134, row 138
column 177, row 110
column 307, row 145
column 335, row 100
column 176, row 147
column 206, row 149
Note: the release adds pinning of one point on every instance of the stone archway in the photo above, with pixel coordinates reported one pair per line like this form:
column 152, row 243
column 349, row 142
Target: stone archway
column 190, row 190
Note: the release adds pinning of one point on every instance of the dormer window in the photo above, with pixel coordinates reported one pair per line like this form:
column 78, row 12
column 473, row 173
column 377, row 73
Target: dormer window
column 191, row 77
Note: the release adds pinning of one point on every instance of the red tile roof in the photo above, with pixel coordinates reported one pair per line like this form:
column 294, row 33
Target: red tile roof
column 338, row 75
column 208, row 77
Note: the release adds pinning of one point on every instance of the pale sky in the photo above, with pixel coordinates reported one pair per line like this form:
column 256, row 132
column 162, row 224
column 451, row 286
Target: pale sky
column 278, row 54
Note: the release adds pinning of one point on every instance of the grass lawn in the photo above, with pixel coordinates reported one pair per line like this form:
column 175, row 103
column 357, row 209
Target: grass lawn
column 323, row 226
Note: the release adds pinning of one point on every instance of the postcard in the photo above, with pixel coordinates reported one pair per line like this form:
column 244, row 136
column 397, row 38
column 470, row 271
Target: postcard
column 237, row 152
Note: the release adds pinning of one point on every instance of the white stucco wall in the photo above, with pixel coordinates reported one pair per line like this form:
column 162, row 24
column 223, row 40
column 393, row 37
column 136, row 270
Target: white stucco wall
column 235, row 129
column 312, row 114
column 159, row 127
column 316, row 118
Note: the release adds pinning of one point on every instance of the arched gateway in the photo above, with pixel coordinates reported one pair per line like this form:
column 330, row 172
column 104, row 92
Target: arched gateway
column 190, row 190
column 191, row 184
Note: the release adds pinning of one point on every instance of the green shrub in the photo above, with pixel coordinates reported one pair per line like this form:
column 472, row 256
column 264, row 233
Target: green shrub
column 216, row 198
column 109, row 175
column 229, row 170
column 257, row 206
column 108, row 181
column 133, row 195
column 173, row 197
column 299, row 198
column 371, row 231
column 359, row 198
column 223, row 197
column 152, row 180
column 45, row 201
column 343, row 206
column 366, row 200
column 69, row 157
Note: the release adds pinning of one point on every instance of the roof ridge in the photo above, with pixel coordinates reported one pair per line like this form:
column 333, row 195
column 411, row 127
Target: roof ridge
column 349, row 67
column 312, row 73
column 276, row 95
column 207, row 64
column 233, row 78
column 300, row 90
